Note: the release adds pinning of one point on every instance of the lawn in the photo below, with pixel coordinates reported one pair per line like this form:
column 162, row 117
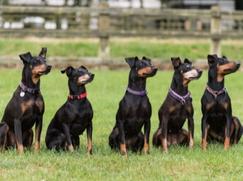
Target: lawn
column 104, row 93
column 155, row 48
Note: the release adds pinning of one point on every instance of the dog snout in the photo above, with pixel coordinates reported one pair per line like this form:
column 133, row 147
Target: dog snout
column 48, row 69
column 237, row 65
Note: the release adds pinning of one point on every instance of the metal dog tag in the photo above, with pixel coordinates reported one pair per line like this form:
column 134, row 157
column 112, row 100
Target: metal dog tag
column 22, row 94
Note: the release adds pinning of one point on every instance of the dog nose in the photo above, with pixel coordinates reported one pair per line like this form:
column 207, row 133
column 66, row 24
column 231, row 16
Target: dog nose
column 92, row 76
column 237, row 65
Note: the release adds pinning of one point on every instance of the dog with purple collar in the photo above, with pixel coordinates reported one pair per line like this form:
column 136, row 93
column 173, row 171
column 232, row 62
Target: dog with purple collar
column 177, row 107
column 26, row 107
column 134, row 110
column 218, row 123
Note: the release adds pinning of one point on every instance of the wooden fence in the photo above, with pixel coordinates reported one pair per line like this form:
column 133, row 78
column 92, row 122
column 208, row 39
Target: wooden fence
column 104, row 22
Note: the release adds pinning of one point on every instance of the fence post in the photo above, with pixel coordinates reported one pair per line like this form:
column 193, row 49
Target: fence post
column 215, row 30
column 103, row 25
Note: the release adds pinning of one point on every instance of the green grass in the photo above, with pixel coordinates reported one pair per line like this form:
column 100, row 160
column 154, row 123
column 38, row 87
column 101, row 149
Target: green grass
column 105, row 93
column 160, row 49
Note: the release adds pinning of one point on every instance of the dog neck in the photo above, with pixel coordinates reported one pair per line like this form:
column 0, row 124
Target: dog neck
column 27, row 79
column 74, row 89
column 136, row 83
column 212, row 81
column 177, row 84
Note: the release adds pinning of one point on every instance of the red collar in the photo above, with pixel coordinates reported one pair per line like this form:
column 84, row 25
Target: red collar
column 79, row 97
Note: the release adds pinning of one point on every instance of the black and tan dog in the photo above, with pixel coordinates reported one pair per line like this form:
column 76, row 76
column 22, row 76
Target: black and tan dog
column 177, row 107
column 26, row 107
column 74, row 116
column 218, row 124
column 134, row 110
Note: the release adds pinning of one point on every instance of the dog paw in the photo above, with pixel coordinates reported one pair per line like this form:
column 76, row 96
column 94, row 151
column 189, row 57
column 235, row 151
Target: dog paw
column 37, row 147
column 90, row 152
column 70, row 148
column 20, row 150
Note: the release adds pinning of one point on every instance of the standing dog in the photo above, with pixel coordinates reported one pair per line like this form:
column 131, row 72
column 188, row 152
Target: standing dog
column 26, row 107
column 134, row 110
column 218, row 124
column 74, row 116
column 177, row 107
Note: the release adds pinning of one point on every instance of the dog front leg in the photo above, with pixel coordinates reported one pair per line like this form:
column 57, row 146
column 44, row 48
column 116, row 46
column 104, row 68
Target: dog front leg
column 89, row 138
column 204, row 128
column 191, row 131
column 18, row 135
column 123, row 148
column 68, row 137
column 147, row 127
column 38, row 129
column 227, row 131
column 164, row 128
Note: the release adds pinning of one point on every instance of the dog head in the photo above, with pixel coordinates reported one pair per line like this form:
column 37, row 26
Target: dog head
column 78, row 76
column 141, row 68
column 185, row 70
column 221, row 66
column 36, row 66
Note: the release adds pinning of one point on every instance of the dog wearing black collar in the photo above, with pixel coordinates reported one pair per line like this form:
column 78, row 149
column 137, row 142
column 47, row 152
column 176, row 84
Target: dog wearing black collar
column 177, row 107
column 134, row 110
column 26, row 107
column 218, row 124
column 74, row 116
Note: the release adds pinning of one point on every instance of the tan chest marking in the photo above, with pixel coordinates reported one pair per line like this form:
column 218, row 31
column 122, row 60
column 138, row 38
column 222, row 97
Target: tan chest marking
column 26, row 105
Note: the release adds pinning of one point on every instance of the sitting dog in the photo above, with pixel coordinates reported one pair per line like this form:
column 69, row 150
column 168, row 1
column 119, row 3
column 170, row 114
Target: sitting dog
column 134, row 110
column 177, row 107
column 74, row 116
column 26, row 107
column 218, row 124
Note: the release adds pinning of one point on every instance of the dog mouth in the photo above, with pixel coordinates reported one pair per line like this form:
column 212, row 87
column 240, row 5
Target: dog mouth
column 85, row 79
column 192, row 74
column 43, row 71
column 147, row 72
column 231, row 68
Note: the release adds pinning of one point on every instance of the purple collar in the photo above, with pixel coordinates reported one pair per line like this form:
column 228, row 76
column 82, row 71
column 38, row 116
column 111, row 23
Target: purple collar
column 137, row 93
column 214, row 92
column 181, row 99
column 24, row 88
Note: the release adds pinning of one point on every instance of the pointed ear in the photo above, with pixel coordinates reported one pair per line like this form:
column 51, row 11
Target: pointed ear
column 68, row 70
column 83, row 67
column 224, row 57
column 176, row 61
column 212, row 59
column 187, row 61
column 26, row 57
column 131, row 61
column 145, row 58
column 43, row 52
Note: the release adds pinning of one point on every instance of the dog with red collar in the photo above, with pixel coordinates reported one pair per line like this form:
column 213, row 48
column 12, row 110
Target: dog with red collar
column 74, row 116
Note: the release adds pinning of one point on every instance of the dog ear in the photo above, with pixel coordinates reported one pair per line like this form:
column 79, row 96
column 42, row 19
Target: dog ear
column 187, row 61
column 212, row 59
column 224, row 57
column 43, row 52
column 131, row 61
column 147, row 59
column 83, row 67
column 68, row 70
column 26, row 57
column 176, row 62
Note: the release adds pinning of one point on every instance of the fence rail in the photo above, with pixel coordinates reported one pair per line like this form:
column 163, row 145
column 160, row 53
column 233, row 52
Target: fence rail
column 104, row 22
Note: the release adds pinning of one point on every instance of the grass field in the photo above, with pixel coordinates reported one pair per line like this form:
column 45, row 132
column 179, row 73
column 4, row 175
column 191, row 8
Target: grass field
column 153, row 48
column 105, row 92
